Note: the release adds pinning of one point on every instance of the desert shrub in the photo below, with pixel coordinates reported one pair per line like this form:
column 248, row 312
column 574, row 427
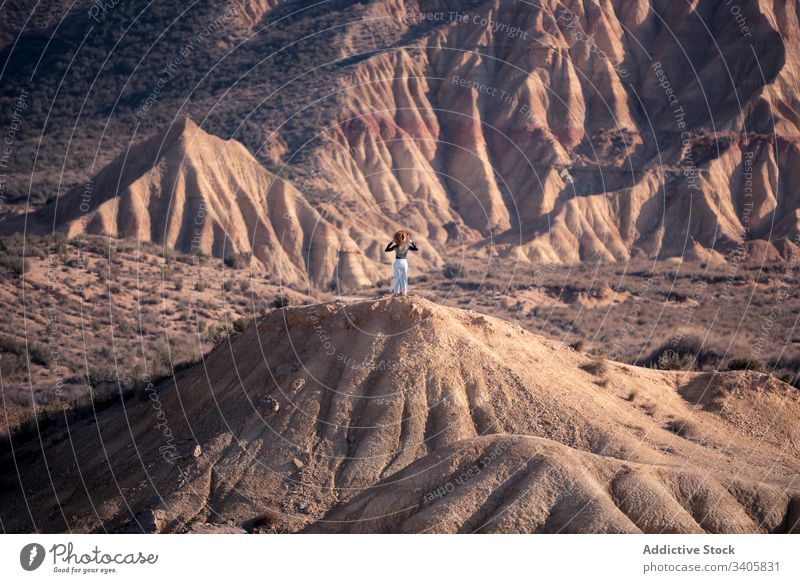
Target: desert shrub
column 200, row 285
column 217, row 334
column 679, row 428
column 595, row 367
column 454, row 271
column 790, row 377
column 598, row 352
column 671, row 360
column 241, row 324
column 238, row 260
column 789, row 361
column 282, row 301
column 38, row 353
column 623, row 358
column 227, row 285
column 16, row 264
column 22, row 246
column 745, row 364
column 689, row 352
column 383, row 283
column 11, row 364
column 101, row 374
column 178, row 284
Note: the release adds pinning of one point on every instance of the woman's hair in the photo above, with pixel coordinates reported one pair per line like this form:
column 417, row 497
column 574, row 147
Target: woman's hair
column 401, row 238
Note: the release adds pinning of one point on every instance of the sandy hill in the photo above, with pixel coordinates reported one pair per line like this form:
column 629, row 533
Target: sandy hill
column 397, row 414
column 194, row 192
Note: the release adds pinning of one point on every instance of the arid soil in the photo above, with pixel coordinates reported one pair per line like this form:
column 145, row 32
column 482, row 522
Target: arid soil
column 398, row 414
column 98, row 314
column 635, row 311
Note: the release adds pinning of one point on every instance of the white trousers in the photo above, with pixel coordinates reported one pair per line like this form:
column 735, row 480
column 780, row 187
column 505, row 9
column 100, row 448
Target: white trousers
column 400, row 276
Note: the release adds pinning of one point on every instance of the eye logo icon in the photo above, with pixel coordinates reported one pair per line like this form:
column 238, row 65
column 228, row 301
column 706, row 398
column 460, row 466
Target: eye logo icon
column 31, row 556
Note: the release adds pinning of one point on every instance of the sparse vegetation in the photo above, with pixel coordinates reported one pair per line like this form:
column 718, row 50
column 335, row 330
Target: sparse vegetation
column 238, row 260
column 16, row 264
column 595, row 367
column 282, row 301
column 681, row 428
column 671, row 360
column 37, row 352
column 241, row 324
column 69, row 321
column 745, row 364
column 217, row 334
column 688, row 352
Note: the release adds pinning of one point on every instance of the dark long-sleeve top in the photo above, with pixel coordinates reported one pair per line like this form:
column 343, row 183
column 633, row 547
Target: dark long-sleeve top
column 401, row 252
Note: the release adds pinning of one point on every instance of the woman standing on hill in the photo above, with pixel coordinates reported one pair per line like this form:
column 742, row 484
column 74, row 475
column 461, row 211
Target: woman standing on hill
column 401, row 244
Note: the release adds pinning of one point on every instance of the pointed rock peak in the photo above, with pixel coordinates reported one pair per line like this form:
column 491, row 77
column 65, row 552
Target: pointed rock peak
column 183, row 130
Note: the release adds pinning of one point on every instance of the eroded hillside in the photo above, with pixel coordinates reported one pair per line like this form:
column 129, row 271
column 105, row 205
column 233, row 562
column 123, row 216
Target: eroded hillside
column 365, row 416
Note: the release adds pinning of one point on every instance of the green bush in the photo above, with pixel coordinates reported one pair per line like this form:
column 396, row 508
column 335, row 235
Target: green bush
column 241, row 324
column 745, row 364
column 101, row 374
column 11, row 364
column 16, row 264
column 38, row 353
column 217, row 334
column 671, row 360
column 238, row 260
column 689, row 352
column 282, row 301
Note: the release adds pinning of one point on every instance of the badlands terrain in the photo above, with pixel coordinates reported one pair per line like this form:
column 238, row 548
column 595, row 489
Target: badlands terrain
column 548, row 132
column 196, row 333
column 400, row 415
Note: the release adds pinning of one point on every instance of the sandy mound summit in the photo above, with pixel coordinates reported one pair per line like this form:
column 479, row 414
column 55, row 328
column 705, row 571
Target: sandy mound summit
column 399, row 415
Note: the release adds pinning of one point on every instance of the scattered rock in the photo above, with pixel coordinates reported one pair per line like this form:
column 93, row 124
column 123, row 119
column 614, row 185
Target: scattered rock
column 297, row 463
column 153, row 521
column 198, row 451
column 272, row 403
column 298, row 384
